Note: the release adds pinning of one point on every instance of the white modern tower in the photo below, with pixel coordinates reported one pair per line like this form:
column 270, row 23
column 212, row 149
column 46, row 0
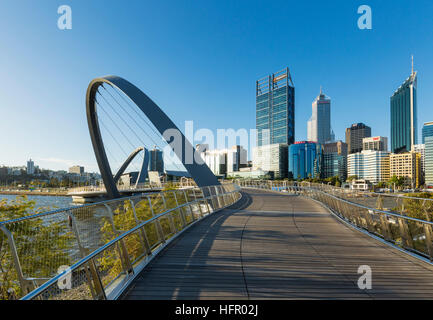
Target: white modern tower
column 319, row 125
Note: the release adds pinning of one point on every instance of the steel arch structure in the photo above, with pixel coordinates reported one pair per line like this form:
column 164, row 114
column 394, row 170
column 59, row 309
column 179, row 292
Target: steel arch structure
column 200, row 172
column 143, row 171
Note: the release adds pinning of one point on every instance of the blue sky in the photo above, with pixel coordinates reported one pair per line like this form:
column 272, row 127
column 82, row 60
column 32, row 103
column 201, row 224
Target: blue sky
column 199, row 61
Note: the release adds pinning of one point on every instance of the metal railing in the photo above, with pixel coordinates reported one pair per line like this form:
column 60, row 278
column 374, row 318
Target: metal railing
column 416, row 207
column 138, row 188
column 410, row 232
column 94, row 251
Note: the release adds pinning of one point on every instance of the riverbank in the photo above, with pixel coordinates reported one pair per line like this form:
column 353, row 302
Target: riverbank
column 34, row 193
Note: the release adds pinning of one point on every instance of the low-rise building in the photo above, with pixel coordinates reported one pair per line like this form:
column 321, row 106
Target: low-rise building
column 335, row 160
column 370, row 165
column 76, row 170
column 223, row 161
column 271, row 158
column 305, row 160
column 407, row 165
column 429, row 160
column 375, row 143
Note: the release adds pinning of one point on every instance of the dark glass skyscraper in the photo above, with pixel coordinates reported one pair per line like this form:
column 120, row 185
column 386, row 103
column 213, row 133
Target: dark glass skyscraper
column 354, row 136
column 427, row 131
column 404, row 116
column 156, row 161
column 305, row 160
column 275, row 109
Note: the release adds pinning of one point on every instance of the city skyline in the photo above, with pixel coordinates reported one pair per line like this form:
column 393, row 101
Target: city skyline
column 360, row 83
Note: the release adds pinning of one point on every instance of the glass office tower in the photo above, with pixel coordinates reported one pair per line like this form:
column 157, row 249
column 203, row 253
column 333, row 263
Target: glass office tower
column 355, row 135
column 319, row 125
column 335, row 160
column 305, row 159
column 275, row 109
column 404, row 116
column 427, row 131
column 156, row 162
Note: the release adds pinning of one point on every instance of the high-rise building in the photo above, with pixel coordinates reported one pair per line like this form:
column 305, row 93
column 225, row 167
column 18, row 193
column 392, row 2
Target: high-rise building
column 354, row 136
column 271, row 158
column 319, row 125
column 305, row 160
column 30, row 167
column 404, row 115
column 275, row 109
column 156, row 160
column 335, row 160
column 76, row 169
column 370, row 165
column 224, row 161
column 429, row 161
column 236, row 158
column 407, row 165
column 216, row 160
column 427, row 131
column 375, row 143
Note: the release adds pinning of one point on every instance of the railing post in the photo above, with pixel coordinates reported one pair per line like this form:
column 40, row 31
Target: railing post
column 182, row 216
column 170, row 216
column 123, row 252
column 211, row 199
column 404, row 233
column 158, row 226
column 91, row 273
column 385, row 227
column 404, row 229
column 198, row 203
column 428, row 232
column 144, row 240
column 98, row 286
column 189, row 205
column 25, row 285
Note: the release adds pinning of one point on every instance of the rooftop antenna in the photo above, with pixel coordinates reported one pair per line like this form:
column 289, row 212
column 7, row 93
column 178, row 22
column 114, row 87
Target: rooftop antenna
column 412, row 64
column 320, row 90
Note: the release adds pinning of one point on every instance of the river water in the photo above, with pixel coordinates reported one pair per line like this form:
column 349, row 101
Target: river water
column 50, row 202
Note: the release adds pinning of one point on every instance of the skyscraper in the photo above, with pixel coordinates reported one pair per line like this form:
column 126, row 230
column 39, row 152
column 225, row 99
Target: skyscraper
column 156, row 161
column 404, row 115
column 275, row 109
column 427, row 131
column 319, row 125
column 30, row 167
column 354, row 136
column 305, row 160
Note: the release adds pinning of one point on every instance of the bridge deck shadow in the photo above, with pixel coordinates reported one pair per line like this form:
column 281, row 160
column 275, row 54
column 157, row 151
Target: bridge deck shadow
column 273, row 246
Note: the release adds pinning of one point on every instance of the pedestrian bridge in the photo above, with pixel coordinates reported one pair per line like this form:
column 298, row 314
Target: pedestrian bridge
column 276, row 246
column 256, row 243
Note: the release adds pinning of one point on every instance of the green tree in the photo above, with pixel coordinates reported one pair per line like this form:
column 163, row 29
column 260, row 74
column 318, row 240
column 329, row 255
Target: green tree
column 349, row 179
column 396, row 181
column 42, row 246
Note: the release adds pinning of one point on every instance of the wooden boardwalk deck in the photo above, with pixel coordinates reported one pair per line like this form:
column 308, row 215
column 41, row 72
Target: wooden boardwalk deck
column 272, row 246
